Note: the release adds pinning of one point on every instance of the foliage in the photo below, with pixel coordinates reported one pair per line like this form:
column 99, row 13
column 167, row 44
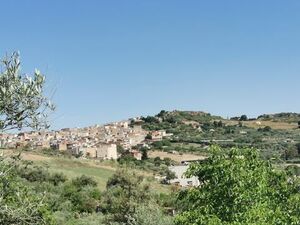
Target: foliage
column 18, row 205
column 150, row 119
column 38, row 174
column 170, row 175
column 120, row 149
column 298, row 148
column 195, row 131
column 161, row 144
column 22, row 103
column 237, row 187
column 83, row 199
column 125, row 191
column 82, row 181
column 66, row 199
column 290, row 152
column 155, row 165
column 150, row 214
column 293, row 169
column 243, row 118
column 144, row 153
column 148, row 137
column 281, row 117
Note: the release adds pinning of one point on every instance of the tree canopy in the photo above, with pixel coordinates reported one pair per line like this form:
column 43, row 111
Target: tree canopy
column 22, row 103
column 237, row 187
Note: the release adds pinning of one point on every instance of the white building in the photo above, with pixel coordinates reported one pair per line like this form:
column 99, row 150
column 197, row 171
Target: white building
column 181, row 180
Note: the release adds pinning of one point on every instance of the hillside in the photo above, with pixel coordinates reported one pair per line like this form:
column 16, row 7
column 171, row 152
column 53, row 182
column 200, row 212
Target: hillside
column 275, row 135
column 281, row 117
column 100, row 171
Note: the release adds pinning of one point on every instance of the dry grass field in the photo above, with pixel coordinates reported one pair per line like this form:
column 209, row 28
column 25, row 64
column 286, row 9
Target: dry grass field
column 261, row 124
column 175, row 157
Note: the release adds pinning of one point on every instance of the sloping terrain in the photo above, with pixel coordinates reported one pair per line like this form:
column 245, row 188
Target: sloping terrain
column 277, row 135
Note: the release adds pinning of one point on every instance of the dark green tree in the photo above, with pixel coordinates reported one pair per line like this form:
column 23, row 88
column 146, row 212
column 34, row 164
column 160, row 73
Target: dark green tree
column 244, row 118
column 161, row 113
column 298, row 148
column 144, row 153
column 148, row 137
column 120, row 149
column 82, row 181
column 170, row 175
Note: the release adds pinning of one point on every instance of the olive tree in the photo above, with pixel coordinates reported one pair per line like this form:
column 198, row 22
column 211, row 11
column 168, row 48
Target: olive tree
column 22, row 103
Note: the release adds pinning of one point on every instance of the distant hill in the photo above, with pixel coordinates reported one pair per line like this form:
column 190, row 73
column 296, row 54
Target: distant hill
column 281, row 117
column 197, row 116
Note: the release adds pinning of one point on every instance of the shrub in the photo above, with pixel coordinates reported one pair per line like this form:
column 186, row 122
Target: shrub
column 57, row 178
column 83, row 181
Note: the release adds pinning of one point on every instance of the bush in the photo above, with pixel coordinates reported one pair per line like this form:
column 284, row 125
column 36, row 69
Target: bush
column 149, row 214
column 57, row 178
column 34, row 174
column 294, row 170
column 125, row 191
column 18, row 204
column 83, row 181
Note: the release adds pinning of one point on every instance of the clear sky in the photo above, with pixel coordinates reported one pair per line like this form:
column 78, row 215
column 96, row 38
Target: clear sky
column 114, row 59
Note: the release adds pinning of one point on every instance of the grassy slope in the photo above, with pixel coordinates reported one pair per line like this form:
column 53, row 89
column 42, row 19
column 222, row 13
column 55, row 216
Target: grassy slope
column 74, row 168
column 100, row 171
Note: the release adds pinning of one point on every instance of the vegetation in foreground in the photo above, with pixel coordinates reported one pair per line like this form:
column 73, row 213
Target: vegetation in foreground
column 237, row 186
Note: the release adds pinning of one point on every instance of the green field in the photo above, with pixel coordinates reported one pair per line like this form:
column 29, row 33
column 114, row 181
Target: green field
column 74, row 168
column 101, row 171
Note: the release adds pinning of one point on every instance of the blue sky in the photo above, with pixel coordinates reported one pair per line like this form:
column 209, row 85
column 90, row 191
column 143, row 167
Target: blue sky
column 114, row 59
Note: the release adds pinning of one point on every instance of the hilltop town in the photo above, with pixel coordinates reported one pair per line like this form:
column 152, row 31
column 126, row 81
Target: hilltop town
column 99, row 141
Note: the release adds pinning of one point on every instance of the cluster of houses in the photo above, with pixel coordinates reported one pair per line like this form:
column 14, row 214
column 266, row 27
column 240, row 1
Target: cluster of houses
column 92, row 142
column 98, row 142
